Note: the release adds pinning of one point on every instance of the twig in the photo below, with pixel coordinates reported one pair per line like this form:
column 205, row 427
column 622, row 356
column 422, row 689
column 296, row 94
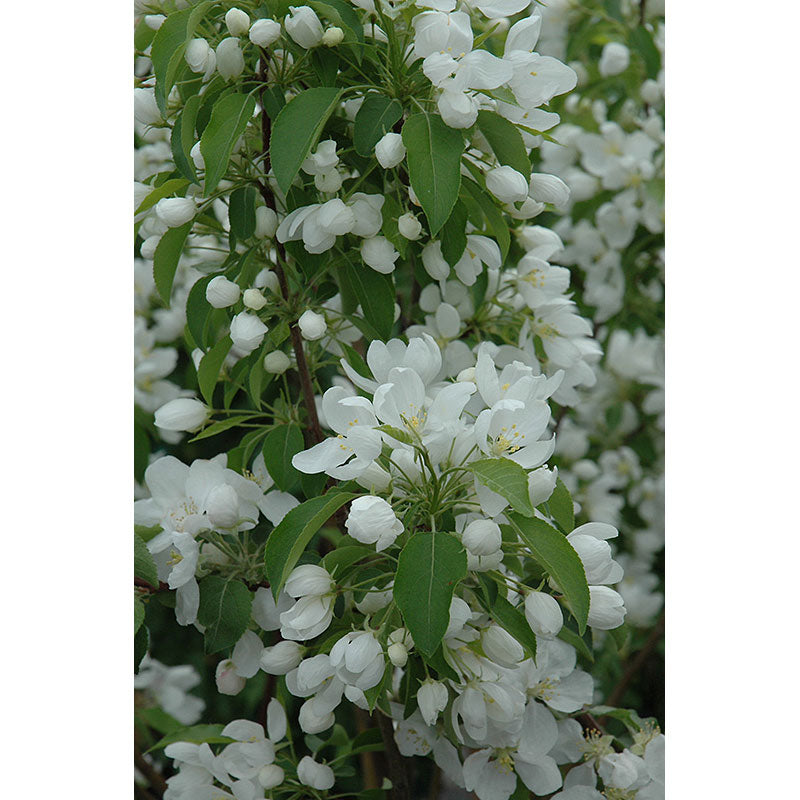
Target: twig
column 157, row 783
column 368, row 766
column 397, row 767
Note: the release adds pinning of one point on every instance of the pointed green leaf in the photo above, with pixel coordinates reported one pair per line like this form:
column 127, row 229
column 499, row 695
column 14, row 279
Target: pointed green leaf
column 283, row 442
column 222, row 425
column 506, row 141
column 375, row 294
column 196, row 734
column 138, row 615
column 242, row 212
column 210, row 365
column 167, row 255
column 173, row 186
column 228, row 122
column 507, row 478
column 375, row 118
column 454, row 234
column 224, row 611
column 561, row 507
column 144, row 567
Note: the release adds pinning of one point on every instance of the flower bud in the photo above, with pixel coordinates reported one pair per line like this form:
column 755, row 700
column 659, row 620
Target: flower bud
column 253, row 299
column 308, row 579
column 482, row 537
column 228, row 682
column 266, row 223
column 221, row 292
column 263, row 32
column 277, row 362
column 303, row 25
column 379, row 253
column 409, row 226
column 148, row 248
column 270, row 776
column 541, row 483
column 176, row 211
column 317, row 776
column 606, row 608
column 466, row 375
column 196, row 154
column 230, row 61
column 501, row 647
column 372, row 521
column 182, row 414
column 267, row 279
column 332, row 36
column 312, row 325
column 281, row 658
column 506, row 184
column 398, row 654
column 374, row 478
column 543, row 614
column 154, row 21
column 549, row 189
column 237, row 21
column 431, row 699
column 650, row 92
column 247, row 331
column 222, row 506
column 328, row 181
column 197, row 55
column 614, row 59
column 390, row 150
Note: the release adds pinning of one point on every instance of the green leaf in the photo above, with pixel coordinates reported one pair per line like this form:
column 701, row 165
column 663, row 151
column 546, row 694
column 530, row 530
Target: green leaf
column 222, row 425
column 511, row 620
column 167, row 255
column 158, row 719
column 375, row 293
column 632, row 721
column 454, row 234
column 375, row 118
column 210, row 365
column 144, row 567
column 561, row 507
column 228, row 120
column 641, row 40
column 437, row 662
column 341, row 558
column 494, row 219
column 283, row 442
column 559, row 559
column 287, row 542
column 224, row 611
column 147, row 533
column 168, row 42
column 138, row 615
column 429, row 567
column 434, row 165
column 297, row 129
column 343, row 15
column 166, row 189
column 181, row 159
column 141, row 641
column 396, row 433
column 196, row 734
column 242, row 212
column 376, row 693
column 506, row 141
column 570, row 637
column 198, row 309
column 507, row 478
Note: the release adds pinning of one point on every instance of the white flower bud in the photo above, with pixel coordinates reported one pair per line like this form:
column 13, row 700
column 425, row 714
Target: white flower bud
column 263, row 32
column 372, row 521
column 541, row 483
column 328, row 181
column 197, row 357
column 401, row 636
column 267, row 279
column 650, row 91
column 606, row 608
column 247, row 331
column 148, row 248
column 409, row 226
column 308, row 579
column 237, row 21
column 482, row 537
column 332, row 36
column 312, row 325
column 222, row 506
column 466, row 375
column 549, row 189
column 310, row 773
column 230, row 61
column 303, row 25
column 614, row 59
column 431, row 699
column 390, row 150
column 379, row 253
column 398, row 654
column 501, row 647
column 270, row 776
column 506, row 184
column 154, row 21
column 266, row 223
column 197, row 55
column 182, row 414
column 374, row 478
column 253, row 299
column 176, row 211
column 543, row 614
column 196, row 154
column 281, row 658
column 277, row 362
column 221, row 292
column 228, row 682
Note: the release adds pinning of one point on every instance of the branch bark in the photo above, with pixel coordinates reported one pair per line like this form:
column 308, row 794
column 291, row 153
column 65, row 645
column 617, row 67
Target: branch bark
column 398, row 773
column 157, row 783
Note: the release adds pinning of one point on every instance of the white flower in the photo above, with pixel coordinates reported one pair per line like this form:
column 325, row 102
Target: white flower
column 506, row 184
column 358, row 660
column 501, row 647
column 145, row 108
column 303, row 25
column 333, row 36
column 310, row 773
column 549, row 189
column 307, row 618
column 497, row 9
column 372, row 521
column 197, row 55
column 614, row 59
column 277, row 362
column 431, row 699
column 589, row 541
column 176, row 211
column 398, row 654
column 196, row 155
column 409, row 226
column 237, row 21
column 222, row 506
column 266, row 221
column 312, row 325
column 228, row 682
column 253, row 299
column 247, row 331
column 308, row 579
column 263, row 32
column 322, row 160
column 390, row 150
column 482, row 537
column 541, row 484
column 543, row 614
column 221, row 293
column 230, row 61
column 379, row 253
column 606, row 608
column 281, row 658
column 182, row 414
column 270, row 776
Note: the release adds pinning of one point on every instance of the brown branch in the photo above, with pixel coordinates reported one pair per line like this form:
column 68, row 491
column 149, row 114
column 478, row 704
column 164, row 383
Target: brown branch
column 140, row 793
column 372, row 779
column 156, row 780
column 398, row 774
column 139, row 583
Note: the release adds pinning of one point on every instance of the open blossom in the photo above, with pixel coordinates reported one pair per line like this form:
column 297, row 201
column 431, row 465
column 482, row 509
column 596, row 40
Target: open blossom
column 303, row 25
column 372, row 521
